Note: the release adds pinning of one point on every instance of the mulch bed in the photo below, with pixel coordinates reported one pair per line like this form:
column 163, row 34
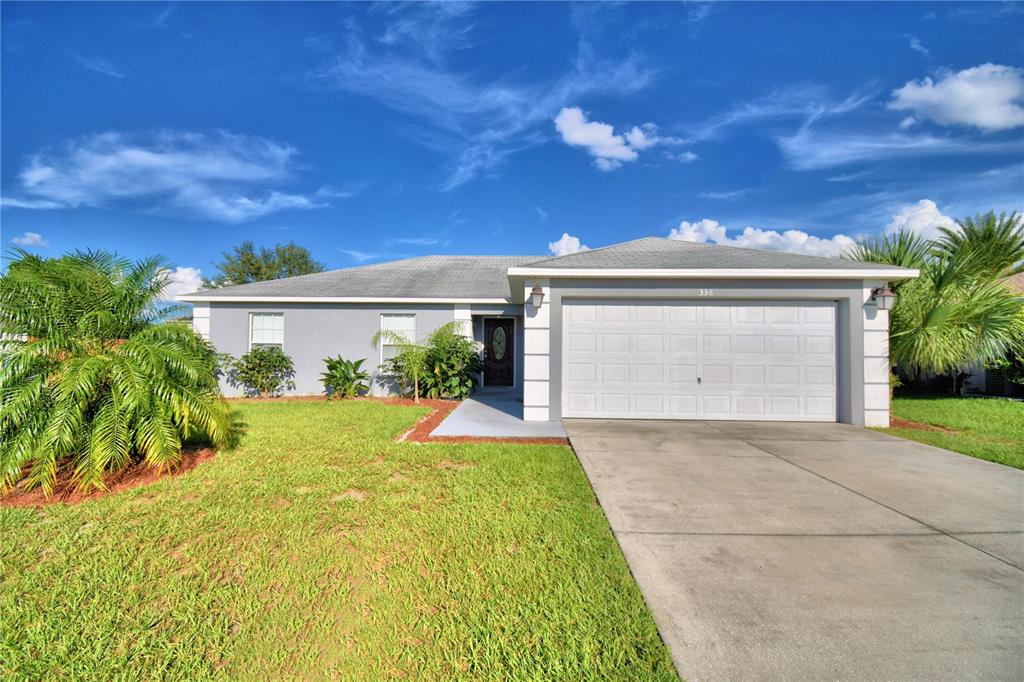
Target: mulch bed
column 905, row 424
column 134, row 476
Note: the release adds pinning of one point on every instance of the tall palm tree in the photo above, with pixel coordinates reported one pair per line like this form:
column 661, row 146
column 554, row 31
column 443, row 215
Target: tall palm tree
column 90, row 381
column 957, row 313
column 995, row 242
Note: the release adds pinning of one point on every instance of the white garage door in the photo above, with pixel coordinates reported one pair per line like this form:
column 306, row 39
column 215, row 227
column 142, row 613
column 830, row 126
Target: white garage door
column 690, row 360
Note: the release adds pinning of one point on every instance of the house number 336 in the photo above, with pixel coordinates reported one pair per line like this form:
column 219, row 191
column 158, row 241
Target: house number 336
column 707, row 292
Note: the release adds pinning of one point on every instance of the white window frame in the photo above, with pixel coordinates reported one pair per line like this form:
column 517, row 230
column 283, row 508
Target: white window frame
column 252, row 315
column 383, row 343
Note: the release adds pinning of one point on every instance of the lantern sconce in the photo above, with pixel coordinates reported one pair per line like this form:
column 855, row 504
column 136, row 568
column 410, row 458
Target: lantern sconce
column 537, row 297
column 883, row 298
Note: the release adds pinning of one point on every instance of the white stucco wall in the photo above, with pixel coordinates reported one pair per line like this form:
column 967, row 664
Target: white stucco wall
column 536, row 354
column 876, row 360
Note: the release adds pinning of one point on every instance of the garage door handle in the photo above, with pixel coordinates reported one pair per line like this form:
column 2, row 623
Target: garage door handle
column 698, row 381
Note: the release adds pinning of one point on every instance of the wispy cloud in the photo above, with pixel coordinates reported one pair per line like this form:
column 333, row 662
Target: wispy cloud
column 99, row 65
column 541, row 213
column 368, row 257
column 814, row 149
column 217, row 176
column 417, row 241
column 30, row 239
column 916, row 46
column 806, row 104
column 160, row 20
column 478, row 123
column 726, row 195
column 815, row 130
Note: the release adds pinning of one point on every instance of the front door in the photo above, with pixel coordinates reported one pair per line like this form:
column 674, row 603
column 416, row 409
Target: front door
column 499, row 347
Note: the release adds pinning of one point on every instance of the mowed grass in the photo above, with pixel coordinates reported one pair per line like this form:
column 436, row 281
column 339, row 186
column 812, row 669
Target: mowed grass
column 320, row 549
column 986, row 428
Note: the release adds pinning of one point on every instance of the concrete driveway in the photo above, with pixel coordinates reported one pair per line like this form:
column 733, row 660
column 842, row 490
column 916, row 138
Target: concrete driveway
column 815, row 551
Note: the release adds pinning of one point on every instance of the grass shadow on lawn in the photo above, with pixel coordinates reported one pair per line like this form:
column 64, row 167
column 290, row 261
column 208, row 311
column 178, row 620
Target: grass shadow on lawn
column 321, row 548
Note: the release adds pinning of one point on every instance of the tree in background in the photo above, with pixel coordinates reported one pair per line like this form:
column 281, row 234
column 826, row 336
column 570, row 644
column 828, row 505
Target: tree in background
column 958, row 313
column 90, row 381
column 246, row 265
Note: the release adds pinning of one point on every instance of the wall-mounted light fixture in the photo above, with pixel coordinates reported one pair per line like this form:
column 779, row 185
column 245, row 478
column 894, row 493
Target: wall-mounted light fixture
column 537, row 297
column 883, row 298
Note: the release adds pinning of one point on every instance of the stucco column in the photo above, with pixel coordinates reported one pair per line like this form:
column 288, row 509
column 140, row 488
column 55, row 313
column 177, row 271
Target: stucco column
column 876, row 359
column 536, row 354
column 201, row 320
column 464, row 318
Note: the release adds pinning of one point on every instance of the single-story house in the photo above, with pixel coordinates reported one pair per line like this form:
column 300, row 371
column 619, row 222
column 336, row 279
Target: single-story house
column 647, row 329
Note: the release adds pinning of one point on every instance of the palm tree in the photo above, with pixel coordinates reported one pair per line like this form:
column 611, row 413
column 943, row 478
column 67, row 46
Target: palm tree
column 411, row 359
column 90, row 381
column 996, row 242
column 957, row 313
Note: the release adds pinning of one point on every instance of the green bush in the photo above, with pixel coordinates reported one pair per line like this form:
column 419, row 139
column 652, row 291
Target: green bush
column 91, row 381
column 345, row 378
column 452, row 365
column 264, row 371
column 445, row 365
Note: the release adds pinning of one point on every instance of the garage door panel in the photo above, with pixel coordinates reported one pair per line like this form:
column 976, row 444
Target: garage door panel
column 643, row 359
column 614, row 343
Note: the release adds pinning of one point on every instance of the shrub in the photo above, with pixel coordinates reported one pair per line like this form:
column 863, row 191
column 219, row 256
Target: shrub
column 345, row 378
column 91, row 381
column 452, row 365
column 445, row 365
column 264, row 371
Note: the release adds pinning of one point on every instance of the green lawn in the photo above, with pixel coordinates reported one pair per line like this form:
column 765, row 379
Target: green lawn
column 320, row 548
column 985, row 428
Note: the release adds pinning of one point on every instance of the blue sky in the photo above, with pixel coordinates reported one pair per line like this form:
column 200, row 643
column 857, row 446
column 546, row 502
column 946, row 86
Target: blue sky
column 367, row 132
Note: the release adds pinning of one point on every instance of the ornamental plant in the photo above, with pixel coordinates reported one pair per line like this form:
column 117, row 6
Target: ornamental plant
column 92, row 379
column 264, row 372
column 345, row 378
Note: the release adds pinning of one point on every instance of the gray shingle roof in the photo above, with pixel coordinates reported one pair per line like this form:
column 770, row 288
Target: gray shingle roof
column 442, row 277
column 658, row 253
column 486, row 277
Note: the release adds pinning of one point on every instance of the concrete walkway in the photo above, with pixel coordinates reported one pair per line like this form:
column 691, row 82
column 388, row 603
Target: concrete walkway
column 498, row 415
column 815, row 551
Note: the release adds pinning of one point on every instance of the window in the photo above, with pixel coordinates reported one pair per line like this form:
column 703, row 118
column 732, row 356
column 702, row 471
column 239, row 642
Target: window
column 266, row 329
column 403, row 324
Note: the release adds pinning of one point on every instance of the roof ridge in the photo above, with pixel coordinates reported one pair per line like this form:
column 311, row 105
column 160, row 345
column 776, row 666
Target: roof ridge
column 598, row 249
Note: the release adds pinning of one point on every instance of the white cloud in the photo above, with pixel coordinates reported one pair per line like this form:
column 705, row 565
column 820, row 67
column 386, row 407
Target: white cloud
column 219, row 176
column 608, row 148
column 907, row 123
column 987, row 97
column 566, row 245
column 916, row 46
column 541, row 213
column 684, row 157
column 182, row 281
column 30, row 239
column 794, row 241
column 923, row 218
column 99, row 65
